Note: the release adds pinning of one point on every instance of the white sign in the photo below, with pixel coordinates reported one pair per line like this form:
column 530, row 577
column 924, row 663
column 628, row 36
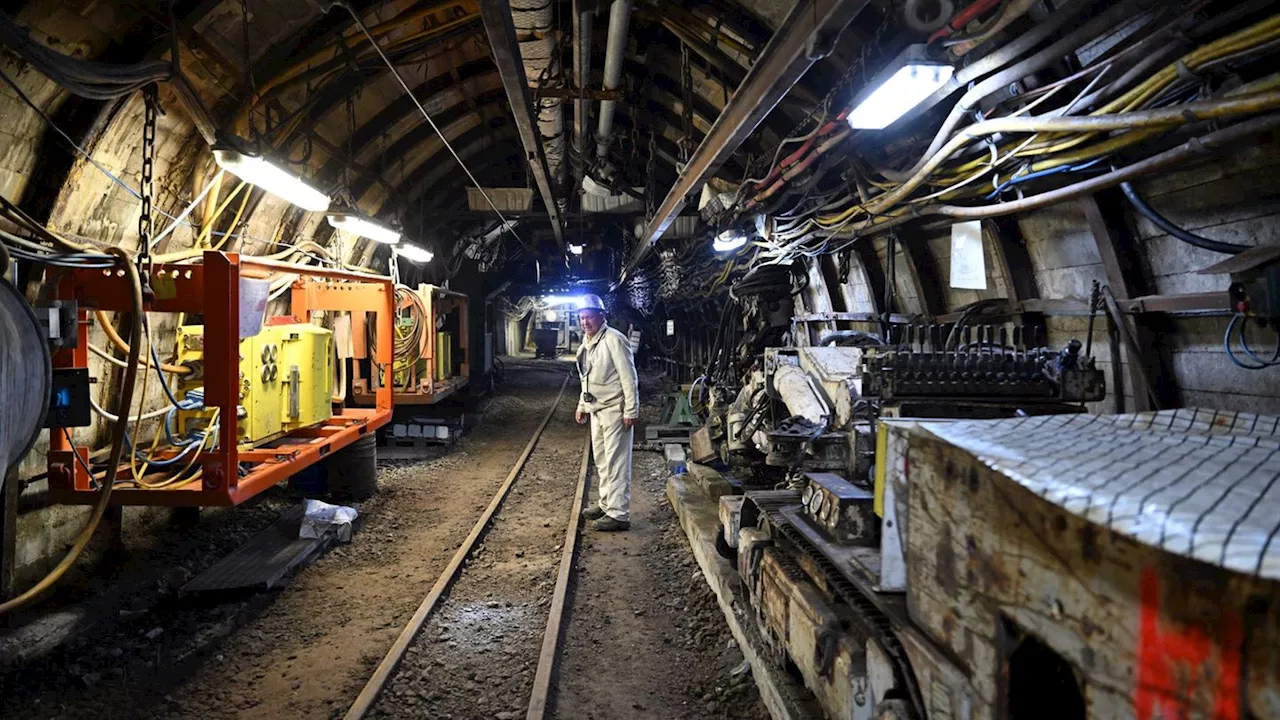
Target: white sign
column 968, row 266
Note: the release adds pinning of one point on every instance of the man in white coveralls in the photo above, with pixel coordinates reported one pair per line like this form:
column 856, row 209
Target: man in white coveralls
column 611, row 399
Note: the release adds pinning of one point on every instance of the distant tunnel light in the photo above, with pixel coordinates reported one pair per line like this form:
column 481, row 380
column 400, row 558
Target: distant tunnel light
column 553, row 300
column 272, row 178
column 729, row 240
column 364, row 228
column 913, row 82
column 575, row 249
column 413, row 253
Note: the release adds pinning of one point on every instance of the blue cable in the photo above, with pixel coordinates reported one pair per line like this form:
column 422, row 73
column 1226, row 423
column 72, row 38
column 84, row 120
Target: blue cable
column 1037, row 175
column 1244, row 343
column 164, row 383
column 163, row 463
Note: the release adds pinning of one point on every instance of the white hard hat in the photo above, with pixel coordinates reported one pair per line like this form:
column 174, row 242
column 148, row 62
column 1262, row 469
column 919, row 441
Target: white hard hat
column 591, row 302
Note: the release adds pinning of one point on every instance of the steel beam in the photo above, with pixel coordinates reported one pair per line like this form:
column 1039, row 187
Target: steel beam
column 806, row 35
column 506, row 55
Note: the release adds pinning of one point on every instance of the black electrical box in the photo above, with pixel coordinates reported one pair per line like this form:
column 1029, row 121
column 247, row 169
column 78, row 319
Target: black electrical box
column 69, row 399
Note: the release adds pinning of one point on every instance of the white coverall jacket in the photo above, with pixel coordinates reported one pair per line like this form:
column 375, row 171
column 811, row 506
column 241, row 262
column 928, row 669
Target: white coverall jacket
column 609, row 376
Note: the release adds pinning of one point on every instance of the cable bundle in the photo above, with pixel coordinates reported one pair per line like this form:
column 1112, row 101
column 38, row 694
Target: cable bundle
column 94, row 80
column 1135, row 92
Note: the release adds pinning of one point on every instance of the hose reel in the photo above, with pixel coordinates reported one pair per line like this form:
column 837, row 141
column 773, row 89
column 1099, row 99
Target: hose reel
column 26, row 377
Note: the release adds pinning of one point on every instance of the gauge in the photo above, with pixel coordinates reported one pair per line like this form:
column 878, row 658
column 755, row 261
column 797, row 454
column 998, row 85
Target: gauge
column 807, row 495
column 815, row 504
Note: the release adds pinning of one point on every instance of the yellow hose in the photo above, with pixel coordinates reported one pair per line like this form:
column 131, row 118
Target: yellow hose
column 117, row 447
column 105, row 323
column 1163, row 119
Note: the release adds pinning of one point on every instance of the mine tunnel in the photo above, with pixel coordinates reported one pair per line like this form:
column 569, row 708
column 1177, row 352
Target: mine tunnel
column 656, row 359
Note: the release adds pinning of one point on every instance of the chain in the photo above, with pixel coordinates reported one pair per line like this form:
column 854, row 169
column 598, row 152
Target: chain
column 651, row 196
column 151, row 105
column 686, row 116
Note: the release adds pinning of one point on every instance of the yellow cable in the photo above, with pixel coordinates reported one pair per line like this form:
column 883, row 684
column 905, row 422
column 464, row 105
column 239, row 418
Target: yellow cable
column 117, row 446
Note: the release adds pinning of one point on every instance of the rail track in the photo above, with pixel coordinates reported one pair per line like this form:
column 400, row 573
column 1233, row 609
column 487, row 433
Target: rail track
column 376, row 686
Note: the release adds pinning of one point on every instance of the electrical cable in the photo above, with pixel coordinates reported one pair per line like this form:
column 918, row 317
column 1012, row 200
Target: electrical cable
column 1244, row 343
column 1160, row 221
column 124, row 400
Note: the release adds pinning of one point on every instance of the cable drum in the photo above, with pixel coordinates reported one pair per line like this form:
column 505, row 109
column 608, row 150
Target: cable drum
column 26, row 375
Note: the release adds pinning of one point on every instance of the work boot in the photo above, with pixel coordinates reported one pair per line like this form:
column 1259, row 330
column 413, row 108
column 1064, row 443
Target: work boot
column 593, row 513
column 608, row 524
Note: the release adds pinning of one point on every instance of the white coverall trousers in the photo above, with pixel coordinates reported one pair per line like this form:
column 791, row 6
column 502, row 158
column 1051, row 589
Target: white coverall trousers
column 611, row 447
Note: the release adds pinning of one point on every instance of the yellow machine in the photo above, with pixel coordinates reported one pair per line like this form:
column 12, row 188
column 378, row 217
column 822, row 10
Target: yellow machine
column 286, row 380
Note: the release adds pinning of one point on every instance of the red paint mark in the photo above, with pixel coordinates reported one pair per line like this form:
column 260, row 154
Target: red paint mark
column 1178, row 663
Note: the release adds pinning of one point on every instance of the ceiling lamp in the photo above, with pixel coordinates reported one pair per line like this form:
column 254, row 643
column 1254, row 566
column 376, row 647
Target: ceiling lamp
column 415, row 254
column 257, row 170
column 353, row 223
column 908, row 81
column 729, row 240
column 575, row 249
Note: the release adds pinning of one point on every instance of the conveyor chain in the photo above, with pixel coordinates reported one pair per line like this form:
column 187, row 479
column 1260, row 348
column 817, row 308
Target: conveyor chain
column 873, row 620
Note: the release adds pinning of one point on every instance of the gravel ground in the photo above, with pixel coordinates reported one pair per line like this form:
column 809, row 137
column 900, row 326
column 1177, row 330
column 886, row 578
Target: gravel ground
column 644, row 637
column 477, row 654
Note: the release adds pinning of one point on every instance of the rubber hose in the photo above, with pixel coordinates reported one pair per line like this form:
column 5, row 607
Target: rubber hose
column 855, row 336
column 124, row 400
column 1164, row 224
column 105, row 323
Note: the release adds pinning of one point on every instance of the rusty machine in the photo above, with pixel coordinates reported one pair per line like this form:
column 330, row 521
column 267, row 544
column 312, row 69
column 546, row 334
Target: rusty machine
column 934, row 527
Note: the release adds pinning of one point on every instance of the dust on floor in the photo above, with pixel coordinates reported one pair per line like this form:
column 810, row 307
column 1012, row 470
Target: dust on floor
column 644, row 637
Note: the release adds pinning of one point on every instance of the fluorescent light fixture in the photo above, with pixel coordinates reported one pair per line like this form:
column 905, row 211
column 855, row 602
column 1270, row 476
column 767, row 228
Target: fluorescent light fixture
column 671, row 328
column 908, row 81
column 575, row 249
column 550, row 316
column 364, row 228
column 574, row 300
column 413, row 253
column 259, row 171
column 729, row 240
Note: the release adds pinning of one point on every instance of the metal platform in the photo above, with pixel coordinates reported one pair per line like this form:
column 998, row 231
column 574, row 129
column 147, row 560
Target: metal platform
column 268, row 560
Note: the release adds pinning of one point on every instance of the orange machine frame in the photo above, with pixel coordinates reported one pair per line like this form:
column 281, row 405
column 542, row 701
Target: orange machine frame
column 212, row 289
column 421, row 390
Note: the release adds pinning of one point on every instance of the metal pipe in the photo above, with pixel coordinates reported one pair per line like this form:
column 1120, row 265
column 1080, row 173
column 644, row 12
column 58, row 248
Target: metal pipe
column 583, row 27
column 615, row 50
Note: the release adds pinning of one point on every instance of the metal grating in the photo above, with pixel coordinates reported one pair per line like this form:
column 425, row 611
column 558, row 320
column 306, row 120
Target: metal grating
column 266, row 561
column 1199, row 483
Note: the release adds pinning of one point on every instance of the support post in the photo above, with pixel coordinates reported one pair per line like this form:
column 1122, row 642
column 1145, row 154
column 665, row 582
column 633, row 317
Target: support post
column 8, row 534
column 1123, row 268
column 808, row 33
column 503, row 44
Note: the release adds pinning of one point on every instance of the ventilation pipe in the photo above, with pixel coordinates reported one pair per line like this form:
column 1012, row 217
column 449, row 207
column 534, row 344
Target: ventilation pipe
column 615, row 50
column 533, row 22
column 581, row 76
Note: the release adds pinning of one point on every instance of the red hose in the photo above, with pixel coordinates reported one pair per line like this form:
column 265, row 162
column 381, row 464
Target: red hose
column 964, row 17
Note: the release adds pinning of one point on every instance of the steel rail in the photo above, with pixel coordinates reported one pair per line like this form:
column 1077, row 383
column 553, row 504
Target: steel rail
column 555, row 617
column 372, row 690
